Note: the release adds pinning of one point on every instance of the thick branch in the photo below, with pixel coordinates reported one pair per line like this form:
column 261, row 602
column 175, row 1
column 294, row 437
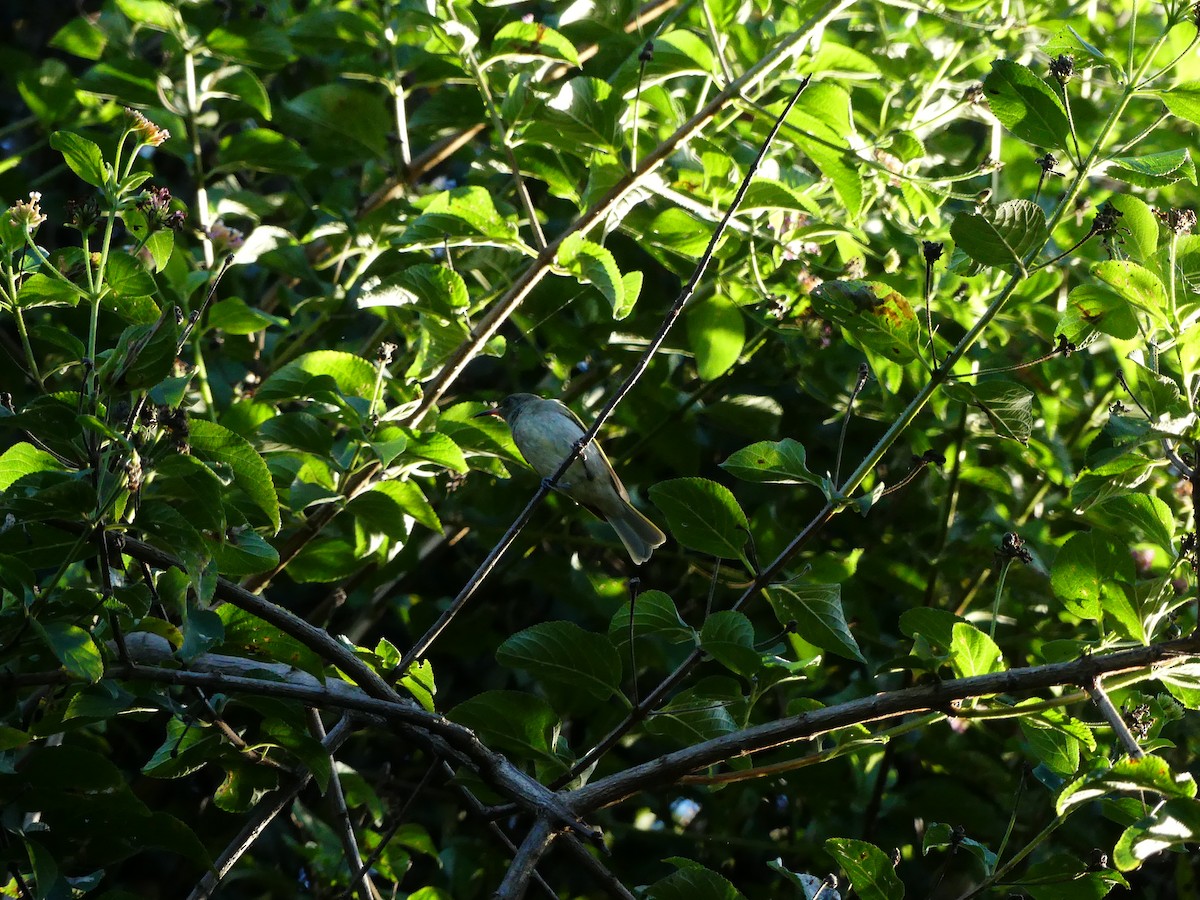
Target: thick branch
column 670, row 767
column 516, row 879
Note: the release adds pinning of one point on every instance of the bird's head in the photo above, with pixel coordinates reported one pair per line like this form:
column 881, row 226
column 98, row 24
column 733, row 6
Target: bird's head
column 510, row 407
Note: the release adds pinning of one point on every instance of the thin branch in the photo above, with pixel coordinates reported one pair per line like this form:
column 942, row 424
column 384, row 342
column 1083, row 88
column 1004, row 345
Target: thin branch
column 596, row 869
column 1113, row 716
column 397, row 823
column 263, row 814
column 360, row 880
column 864, row 373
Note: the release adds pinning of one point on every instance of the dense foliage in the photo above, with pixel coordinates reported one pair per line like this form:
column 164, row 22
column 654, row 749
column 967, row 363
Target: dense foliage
column 911, row 383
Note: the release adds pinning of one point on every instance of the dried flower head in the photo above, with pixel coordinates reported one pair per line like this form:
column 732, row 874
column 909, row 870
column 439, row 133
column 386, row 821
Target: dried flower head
column 145, row 130
column 932, row 250
column 974, row 94
column 1106, row 219
column 1062, row 67
column 83, row 215
column 1180, row 221
column 27, row 214
column 1047, row 164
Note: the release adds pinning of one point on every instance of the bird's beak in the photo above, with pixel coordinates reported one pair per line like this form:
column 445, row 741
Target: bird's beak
column 494, row 412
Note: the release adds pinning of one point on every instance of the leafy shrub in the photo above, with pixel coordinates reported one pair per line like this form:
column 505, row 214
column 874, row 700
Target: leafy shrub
column 885, row 314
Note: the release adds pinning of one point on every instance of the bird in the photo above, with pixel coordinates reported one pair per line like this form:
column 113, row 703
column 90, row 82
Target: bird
column 545, row 431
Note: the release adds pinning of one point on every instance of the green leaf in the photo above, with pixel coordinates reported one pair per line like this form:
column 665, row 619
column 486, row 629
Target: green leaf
column 1154, row 169
column 191, row 487
column 161, row 245
column 1026, row 105
column 595, row 265
column 216, row 443
column 257, row 44
column 703, row 516
column 1150, row 773
column 438, row 448
column 75, row 649
column 677, row 52
column 1091, row 308
column 510, row 722
column 156, row 14
column 940, row 836
column 699, row 714
column 462, row 217
column 692, row 882
column 346, row 115
column 245, row 553
column 935, row 625
column 874, row 314
column 419, row 682
column 82, row 156
column 582, row 117
column 1183, row 100
column 42, row 290
column 816, row 610
column 432, row 289
column 145, row 355
column 728, row 637
column 1085, row 564
column 533, row 40
column 869, row 869
column 717, row 334
column 654, row 615
column 263, row 150
column 24, row 459
column 1051, row 747
column 973, row 653
column 352, row 375
column 1136, row 284
column 81, row 37
column 1002, row 236
column 772, row 462
column 823, row 111
column 563, row 652
column 127, row 277
column 1145, row 514
column 1008, row 405
column 386, row 505
column 1138, row 219
column 233, row 316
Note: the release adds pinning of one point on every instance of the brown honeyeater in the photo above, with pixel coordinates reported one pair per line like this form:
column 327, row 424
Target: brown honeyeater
column 545, row 431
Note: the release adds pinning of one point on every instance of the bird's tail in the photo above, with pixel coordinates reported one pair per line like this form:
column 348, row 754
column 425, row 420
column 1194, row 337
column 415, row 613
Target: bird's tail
column 639, row 535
